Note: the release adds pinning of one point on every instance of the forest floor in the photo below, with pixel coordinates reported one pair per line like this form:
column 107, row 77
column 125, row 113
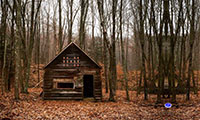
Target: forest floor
column 32, row 107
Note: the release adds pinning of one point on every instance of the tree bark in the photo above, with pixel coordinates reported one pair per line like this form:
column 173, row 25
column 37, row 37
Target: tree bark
column 4, row 38
column 70, row 21
column 60, row 27
column 17, row 49
column 123, row 53
column 191, row 43
column 31, row 44
column 84, row 10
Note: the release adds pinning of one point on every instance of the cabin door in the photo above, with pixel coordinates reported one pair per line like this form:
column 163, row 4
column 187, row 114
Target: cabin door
column 88, row 87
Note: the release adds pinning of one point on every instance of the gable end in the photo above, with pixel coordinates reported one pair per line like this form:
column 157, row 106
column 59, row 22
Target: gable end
column 65, row 49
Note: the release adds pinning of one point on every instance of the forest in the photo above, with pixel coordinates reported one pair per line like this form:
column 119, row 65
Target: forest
column 138, row 55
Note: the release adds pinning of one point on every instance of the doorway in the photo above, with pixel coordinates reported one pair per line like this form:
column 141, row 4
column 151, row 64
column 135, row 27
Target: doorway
column 88, row 87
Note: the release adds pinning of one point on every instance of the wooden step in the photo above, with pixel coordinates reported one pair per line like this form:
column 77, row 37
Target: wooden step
column 62, row 98
column 63, row 94
column 97, row 98
column 66, row 92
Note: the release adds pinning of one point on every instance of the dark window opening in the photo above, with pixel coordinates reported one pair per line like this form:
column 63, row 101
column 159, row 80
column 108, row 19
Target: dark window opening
column 65, row 85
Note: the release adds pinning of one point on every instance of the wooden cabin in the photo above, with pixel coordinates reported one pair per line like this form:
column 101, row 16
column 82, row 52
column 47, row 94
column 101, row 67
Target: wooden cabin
column 72, row 75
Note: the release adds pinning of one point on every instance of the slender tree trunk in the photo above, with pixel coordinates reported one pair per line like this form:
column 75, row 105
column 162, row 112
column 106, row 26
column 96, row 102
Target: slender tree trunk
column 105, row 42
column 140, row 83
column 105, row 65
column 4, row 38
column 4, row 85
column 141, row 36
column 71, row 21
column 17, row 49
column 38, row 48
column 84, row 10
column 126, row 65
column 29, row 55
column 12, row 44
column 111, row 46
column 123, row 53
column 191, row 43
column 60, row 26
column 113, row 78
column 93, row 40
column 32, row 39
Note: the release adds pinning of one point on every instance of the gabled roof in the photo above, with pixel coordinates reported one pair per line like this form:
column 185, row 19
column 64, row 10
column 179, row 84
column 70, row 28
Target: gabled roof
column 72, row 43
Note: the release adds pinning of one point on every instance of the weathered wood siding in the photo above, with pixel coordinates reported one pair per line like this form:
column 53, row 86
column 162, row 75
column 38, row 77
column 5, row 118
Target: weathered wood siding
column 57, row 70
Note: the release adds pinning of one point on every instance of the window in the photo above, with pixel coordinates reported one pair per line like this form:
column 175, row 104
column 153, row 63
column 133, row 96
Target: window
column 65, row 85
column 71, row 61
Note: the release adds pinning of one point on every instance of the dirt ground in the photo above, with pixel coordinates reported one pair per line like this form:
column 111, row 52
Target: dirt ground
column 32, row 107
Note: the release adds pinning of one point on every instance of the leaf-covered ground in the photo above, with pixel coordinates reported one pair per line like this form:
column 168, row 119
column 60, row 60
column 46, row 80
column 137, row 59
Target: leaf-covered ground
column 32, row 107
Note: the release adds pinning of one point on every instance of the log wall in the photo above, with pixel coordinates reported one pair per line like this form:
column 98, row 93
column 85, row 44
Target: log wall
column 58, row 69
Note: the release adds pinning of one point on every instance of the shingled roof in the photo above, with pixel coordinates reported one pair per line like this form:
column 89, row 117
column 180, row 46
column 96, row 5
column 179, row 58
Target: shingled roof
column 72, row 43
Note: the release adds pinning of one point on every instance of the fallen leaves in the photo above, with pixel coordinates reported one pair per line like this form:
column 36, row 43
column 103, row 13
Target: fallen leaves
column 32, row 106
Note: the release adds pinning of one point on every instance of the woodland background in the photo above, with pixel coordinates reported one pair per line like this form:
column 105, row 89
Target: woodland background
column 139, row 43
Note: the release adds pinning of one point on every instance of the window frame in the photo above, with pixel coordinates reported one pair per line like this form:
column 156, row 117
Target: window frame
column 63, row 80
column 65, row 88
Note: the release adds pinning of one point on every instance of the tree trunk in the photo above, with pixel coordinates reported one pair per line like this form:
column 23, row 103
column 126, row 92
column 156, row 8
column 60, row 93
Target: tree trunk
column 29, row 55
column 191, row 43
column 110, row 46
column 38, row 48
column 93, row 28
column 105, row 64
column 4, row 38
column 70, row 22
column 123, row 53
column 60, row 27
column 113, row 78
column 141, row 37
column 17, row 49
column 32, row 39
column 84, row 10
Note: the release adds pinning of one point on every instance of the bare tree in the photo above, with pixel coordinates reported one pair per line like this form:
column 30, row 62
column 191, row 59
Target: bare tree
column 3, row 29
column 61, row 41
column 191, row 18
column 71, row 14
column 34, row 15
column 17, row 47
column 124, row 64
column 110, row 46
column 84, row 10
